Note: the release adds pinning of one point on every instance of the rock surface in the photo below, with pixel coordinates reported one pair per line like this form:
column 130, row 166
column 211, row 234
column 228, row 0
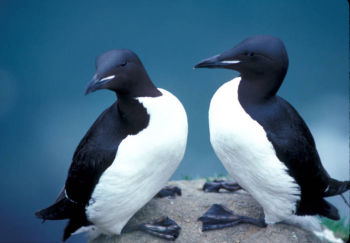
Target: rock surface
column 193, row 203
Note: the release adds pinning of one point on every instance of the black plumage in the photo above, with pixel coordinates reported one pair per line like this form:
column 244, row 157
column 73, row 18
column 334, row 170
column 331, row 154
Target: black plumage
column 97, row 149
column 262, row 62
column 295, row 147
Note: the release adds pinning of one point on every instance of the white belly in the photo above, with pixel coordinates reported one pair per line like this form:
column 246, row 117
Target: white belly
column 242, row 146
column 142, row 166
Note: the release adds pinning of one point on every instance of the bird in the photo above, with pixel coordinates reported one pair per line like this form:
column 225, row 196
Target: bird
column 263, row 142
column 127, row 155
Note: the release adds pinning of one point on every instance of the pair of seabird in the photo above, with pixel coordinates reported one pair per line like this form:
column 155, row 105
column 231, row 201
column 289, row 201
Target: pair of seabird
column 135, row 145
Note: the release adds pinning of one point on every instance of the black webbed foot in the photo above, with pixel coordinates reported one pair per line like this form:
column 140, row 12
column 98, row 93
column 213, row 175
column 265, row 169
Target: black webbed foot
column 218, row 217
column 169, row 191
column 163, row 227
column 216, row 185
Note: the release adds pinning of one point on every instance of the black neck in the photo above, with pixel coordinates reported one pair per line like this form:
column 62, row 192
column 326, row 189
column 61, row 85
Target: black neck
column 145, row 89
column 138, row 85
column 132, row 113
column 255, row 88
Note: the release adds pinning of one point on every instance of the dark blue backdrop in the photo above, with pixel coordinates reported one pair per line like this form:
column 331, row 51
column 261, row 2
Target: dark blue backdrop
column 47, row 51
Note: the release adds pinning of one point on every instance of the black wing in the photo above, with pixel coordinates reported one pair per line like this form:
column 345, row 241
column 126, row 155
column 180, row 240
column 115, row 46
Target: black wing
column 99, row 146
column 295, row 147
column 293, row 143
column 94, row 154
column 88, row 165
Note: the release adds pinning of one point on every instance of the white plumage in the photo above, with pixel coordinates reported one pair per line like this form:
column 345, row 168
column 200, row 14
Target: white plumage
column 244, row 149
column 143, row 164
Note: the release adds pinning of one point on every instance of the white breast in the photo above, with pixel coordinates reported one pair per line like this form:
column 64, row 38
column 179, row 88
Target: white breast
column 242, row 146
column 142, row 166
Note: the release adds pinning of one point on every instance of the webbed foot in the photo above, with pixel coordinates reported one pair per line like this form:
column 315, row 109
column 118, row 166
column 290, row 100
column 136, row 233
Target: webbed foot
column 218, row 217
column 169, row 191
column 216, row 185
column 163, row 227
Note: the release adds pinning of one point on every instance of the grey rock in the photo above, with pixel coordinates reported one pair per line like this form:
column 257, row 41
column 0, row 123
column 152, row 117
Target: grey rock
column 193, row 203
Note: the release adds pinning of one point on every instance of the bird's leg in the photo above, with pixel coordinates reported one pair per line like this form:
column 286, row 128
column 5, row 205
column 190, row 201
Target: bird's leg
column 163, row 227
column 216, row 185
column 218, row 217
column 169, row 191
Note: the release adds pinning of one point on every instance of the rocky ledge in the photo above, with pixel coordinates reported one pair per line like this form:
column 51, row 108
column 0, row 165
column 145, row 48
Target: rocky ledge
column 193, row 203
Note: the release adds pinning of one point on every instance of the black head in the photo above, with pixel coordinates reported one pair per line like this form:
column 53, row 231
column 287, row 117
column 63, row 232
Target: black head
column 122, row 72
column 254, row 57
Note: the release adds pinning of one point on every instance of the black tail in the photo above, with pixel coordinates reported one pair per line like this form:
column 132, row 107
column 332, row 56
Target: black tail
column 61, row 209
column 65, row 209
column 336, row 187
column 327, row 210
column 74, row 224
column 317, row 206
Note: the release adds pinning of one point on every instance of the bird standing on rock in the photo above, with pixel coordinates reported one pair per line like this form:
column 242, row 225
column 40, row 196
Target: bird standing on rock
column 127, row 155
column 263, row 142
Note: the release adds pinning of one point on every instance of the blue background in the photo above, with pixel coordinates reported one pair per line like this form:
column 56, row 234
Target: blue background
column 47, row 52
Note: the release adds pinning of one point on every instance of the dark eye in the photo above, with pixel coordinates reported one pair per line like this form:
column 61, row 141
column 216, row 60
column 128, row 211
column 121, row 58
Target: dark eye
column 123, row 64
column 250, row 54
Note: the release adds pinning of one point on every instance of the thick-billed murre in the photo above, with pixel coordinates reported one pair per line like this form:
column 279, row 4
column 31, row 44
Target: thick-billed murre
column 264, row 143
column 127, row 155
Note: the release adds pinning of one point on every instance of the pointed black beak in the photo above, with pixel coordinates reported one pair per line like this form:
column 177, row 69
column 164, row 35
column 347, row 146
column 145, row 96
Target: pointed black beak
column 211, row 62
column 226, row 59
column 97, row 83
column 93, row 85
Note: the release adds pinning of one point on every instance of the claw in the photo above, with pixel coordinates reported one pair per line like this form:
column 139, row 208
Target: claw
column 218, row 217
column 169, row 191
column 163, row 227
column 216, row 185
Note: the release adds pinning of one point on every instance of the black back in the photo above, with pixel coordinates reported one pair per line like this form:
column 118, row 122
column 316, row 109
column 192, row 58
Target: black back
column 294, row 146
column 122, row 72
column 262, row 62
column 285, row 129
column 98, row 148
